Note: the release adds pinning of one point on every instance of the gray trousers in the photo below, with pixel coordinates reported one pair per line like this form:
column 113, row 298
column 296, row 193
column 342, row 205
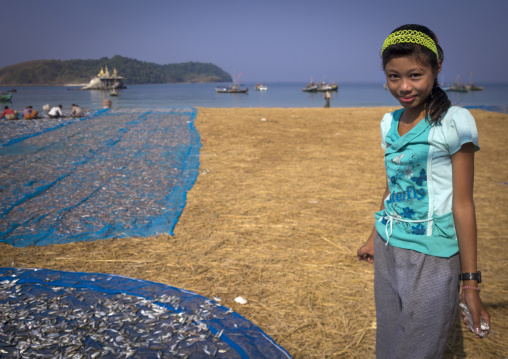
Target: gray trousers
column 416, row 299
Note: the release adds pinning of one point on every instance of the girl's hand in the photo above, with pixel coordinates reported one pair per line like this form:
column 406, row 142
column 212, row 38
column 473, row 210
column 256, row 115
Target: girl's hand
column 472, row 299
column 366, row 252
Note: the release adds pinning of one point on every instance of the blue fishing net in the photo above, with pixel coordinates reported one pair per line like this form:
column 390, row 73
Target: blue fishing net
column 502, row 109
column 54, row 314
column 111, row 174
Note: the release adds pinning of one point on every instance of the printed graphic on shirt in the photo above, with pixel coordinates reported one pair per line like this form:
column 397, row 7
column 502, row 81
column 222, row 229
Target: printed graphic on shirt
column 407, row 180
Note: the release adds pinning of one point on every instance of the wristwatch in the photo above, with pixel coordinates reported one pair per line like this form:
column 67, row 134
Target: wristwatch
column 471, row 276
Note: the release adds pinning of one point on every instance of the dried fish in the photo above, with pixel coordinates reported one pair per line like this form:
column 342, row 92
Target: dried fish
column 77, row 181
column 484, row 325
column 46, row 321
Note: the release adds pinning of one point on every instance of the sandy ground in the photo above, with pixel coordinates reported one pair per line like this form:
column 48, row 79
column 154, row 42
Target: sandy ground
column 284, row 199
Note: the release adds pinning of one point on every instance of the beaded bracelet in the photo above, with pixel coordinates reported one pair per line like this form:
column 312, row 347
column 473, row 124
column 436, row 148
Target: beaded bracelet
column 468, row 287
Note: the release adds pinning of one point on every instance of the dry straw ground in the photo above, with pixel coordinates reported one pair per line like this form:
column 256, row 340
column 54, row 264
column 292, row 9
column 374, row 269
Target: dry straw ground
column 283, row 200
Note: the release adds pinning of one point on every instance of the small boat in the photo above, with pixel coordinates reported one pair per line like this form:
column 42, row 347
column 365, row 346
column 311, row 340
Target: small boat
column 235, row 87
column 457, row 87
column 473, row 87
column 311, row 87
column 323, row 87
column 113, row 93
column 231, row 89
column 5, row 97
column 260, row 87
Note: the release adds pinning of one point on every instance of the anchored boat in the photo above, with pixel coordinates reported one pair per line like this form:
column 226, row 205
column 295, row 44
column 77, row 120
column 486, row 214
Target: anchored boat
column 235, row 87
column 311, row 87
column 5, row 97
column 323, row 87
column 260, row 87
column 231, row 89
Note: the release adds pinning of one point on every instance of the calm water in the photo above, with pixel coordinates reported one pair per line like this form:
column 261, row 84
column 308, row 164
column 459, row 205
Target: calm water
column 279, row 94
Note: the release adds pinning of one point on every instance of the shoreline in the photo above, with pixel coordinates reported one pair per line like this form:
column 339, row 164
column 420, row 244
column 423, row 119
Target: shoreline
column 284, row 96
column 284, row 198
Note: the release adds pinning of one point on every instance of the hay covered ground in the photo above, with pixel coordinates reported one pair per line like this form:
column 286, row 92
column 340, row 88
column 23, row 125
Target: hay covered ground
column 284, row 199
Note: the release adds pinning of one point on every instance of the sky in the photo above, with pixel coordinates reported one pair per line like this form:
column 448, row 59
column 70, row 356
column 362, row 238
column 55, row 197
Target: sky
column 259, row 40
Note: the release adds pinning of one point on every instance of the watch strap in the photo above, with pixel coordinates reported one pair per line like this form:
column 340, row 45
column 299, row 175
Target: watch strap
column 471, row 276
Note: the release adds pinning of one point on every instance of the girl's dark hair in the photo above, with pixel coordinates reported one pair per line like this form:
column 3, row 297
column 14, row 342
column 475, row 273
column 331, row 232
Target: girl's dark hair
column 438, row 102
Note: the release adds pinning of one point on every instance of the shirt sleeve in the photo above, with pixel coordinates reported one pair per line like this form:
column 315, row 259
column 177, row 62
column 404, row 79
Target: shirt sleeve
column 460, row 128
column 386, row 122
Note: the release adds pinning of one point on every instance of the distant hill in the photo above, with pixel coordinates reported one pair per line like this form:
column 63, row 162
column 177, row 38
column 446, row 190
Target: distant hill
column 58, row 72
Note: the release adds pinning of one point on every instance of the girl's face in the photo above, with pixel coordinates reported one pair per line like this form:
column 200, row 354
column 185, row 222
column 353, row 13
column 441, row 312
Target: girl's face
column 410, row 81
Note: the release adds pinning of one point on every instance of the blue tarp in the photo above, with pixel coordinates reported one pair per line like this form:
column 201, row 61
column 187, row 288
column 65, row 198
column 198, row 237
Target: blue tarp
column 112, row 174
column 47, row 313
column 502, row 109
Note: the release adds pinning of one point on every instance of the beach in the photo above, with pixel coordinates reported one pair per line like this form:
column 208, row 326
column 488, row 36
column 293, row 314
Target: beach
column 283, row 200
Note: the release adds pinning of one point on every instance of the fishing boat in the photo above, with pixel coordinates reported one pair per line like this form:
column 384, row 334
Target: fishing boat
column 457, row 87
column 473, row 87
column 311, row 87
column 260, row 87
column 5, row 97
column 323, row 87
column 234, row 88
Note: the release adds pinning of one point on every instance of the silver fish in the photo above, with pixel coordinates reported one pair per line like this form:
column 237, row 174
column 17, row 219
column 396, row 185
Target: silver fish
column 483, row 324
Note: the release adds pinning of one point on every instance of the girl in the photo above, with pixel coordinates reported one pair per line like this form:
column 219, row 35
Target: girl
column 424, row 236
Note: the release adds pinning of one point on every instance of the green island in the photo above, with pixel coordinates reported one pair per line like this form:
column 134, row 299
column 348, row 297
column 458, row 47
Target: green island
column 68, row 72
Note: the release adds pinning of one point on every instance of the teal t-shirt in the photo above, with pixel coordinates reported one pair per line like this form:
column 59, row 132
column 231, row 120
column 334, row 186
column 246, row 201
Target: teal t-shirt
column 418, row 211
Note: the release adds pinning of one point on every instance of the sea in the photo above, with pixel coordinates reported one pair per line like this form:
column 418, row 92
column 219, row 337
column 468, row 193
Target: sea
column 279, row 94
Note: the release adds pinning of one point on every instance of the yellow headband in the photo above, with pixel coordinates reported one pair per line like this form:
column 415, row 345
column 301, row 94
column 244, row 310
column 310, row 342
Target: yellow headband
column 413, row 36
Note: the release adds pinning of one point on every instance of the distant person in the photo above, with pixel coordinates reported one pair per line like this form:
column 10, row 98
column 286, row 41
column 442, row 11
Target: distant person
column 76, row 111
column 9, row 114
column 29, row 113
column 55, row 112
column 327, row 98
